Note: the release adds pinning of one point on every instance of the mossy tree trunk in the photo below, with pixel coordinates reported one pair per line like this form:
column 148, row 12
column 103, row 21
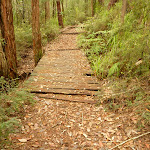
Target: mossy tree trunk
column 8, row 44
column 59, row 13
column 37, row 46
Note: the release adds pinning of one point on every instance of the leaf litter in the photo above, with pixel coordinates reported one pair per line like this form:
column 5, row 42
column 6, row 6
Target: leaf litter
column 52, row 124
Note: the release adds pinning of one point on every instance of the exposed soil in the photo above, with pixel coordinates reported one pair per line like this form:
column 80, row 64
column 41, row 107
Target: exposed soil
column 57, row 124
column 26, row 63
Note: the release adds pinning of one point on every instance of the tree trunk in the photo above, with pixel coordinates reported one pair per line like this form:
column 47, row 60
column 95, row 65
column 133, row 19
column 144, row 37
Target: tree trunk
column 7, row 31
column 3, row 64
column 47, row 11
column 62, row 5
column 60, row 20
column 124, row 8
column 37, row 47
column 112, row 3
column 86, row 7
column 93, row 3
column 54, row 8
column 23, row 11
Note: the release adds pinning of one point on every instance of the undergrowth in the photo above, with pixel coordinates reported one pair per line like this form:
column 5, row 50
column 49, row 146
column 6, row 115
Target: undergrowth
column 121, row 51
column 128, row 95
column 12, row 105
column 116, row 49
column 23, row 35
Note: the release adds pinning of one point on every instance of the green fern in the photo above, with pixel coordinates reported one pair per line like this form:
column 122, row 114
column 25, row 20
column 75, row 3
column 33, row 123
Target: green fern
column 114, row 69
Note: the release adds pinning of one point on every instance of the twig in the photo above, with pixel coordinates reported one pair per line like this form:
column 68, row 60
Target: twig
column 130, row 140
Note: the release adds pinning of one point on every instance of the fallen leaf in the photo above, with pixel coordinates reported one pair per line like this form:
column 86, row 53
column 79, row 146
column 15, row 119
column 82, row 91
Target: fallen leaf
column 22, row 140
column 148, row 146
column 88, row 130
column 101, row 144
column 85, row 135
column 36, row 145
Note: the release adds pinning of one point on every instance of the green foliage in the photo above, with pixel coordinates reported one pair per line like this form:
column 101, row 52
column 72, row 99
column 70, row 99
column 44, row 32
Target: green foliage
column 23, row 36
column 12, row 104
column 126, row 51
column 49, row 30
column 75, row 13
column 120, row 51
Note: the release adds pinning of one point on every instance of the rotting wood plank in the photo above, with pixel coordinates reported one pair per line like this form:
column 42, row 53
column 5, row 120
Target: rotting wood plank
column 72, row 33
column 70, row 100
column 61, row 93
column 63, row 86
column 64, row 49
column 75, row 89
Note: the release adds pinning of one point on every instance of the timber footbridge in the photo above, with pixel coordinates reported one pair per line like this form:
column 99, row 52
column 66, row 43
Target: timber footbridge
column 64, row 72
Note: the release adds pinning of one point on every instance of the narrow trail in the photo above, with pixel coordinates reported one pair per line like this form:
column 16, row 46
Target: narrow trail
column 65, row 116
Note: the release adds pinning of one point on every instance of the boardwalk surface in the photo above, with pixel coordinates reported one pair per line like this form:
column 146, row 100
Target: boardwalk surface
column 64, row 72
column 65, row 116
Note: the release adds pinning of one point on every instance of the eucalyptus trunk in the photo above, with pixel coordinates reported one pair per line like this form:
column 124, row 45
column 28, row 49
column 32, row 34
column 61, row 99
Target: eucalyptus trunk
column 93, row 5
column 47, row 11
column 59, row 13
column 7, row 31
column 37, row 46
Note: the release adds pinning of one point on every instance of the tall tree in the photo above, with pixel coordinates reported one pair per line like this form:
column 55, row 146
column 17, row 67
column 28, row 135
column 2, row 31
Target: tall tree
column 124, row 8
column 93, row 5
column 59, row 13
column 47, row 11
column 37, row 46
column 7, row 31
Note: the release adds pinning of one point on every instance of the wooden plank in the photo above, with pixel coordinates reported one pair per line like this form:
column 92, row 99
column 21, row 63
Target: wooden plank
column 61, row 93
column 64, row 50
column 73, row 89
column 69, row 100
column 72, row 33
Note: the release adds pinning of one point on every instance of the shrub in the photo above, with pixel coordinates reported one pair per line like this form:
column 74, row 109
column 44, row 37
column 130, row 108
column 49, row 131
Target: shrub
column 12, row 102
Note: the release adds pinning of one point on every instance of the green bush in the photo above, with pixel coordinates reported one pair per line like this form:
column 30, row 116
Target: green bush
column 12, row 102
column 116, row 49
column 49, row 30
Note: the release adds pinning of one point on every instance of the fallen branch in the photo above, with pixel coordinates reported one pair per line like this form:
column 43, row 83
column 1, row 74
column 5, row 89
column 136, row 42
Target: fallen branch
column 130, row 140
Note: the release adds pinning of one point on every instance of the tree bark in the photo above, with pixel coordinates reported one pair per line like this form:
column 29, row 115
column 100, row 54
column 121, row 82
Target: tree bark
column 60, row 20
column 7, row 31
column 124, row 8
column 37, row 46
column 93, row 3
column 47, row 11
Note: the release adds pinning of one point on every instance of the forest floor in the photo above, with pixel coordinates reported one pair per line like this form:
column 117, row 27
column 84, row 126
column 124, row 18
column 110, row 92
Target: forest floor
column 54, row 124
